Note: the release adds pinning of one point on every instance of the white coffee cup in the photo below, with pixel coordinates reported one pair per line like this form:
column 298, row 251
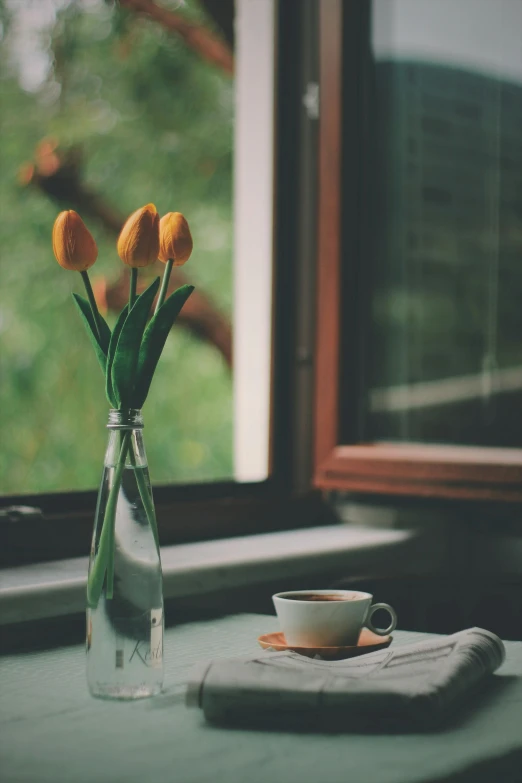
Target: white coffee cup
column 337, row 621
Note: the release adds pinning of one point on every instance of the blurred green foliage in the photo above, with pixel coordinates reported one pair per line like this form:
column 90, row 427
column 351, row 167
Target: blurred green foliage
column 154, row 123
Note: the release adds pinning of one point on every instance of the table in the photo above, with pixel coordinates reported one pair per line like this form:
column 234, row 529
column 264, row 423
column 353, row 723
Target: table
column 52, row 731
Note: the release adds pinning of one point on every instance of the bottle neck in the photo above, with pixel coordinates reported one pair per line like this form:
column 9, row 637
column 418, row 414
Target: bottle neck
column 129, row 419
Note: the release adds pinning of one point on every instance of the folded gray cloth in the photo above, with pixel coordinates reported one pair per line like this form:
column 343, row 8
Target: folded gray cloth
column 404, row 686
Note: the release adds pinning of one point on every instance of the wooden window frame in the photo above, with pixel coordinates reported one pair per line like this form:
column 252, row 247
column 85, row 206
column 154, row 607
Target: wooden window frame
column 185, row 513
column 454, row 472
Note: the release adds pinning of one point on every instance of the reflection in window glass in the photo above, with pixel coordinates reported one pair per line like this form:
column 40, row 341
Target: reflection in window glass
column 446, row 209
column 104, row 110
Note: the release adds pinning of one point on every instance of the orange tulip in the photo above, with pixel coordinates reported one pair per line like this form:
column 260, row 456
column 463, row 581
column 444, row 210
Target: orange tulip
column 138, row 243
column 73, row 244
column 175, row 239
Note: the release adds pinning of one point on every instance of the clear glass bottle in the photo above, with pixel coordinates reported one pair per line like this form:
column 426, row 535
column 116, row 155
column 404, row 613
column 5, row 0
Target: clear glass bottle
column 124, row 594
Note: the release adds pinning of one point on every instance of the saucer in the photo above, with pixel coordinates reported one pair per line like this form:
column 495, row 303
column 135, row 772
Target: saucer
column 368, row 642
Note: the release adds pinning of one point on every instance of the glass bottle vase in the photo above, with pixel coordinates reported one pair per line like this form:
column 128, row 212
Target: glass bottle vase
column 124, row 590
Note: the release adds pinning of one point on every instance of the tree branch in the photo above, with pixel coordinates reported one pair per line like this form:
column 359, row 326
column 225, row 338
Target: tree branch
column 203, row 41
column 222, row 14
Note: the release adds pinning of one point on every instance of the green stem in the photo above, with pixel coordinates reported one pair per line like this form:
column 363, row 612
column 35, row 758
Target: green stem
column 104, row 559
column 92, row 301
column 146, row 498
column 118, row 475
column 164, row 284
column 133, row 286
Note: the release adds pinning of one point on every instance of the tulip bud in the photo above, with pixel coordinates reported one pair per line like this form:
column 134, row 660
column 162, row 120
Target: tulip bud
column 73, row 244
column 138, row 243
column 175, row 239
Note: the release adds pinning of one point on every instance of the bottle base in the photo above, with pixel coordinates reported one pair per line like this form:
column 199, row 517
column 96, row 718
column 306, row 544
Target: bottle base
column 124, row 692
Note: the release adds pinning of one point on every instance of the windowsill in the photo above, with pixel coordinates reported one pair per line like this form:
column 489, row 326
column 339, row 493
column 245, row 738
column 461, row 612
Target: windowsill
column 46, row 590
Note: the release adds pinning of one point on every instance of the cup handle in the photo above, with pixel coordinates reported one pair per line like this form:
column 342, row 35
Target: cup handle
column 381, row 631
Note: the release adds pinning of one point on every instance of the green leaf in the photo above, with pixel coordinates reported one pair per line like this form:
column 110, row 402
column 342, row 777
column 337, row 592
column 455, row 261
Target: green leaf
column 105, row 332
column 125, row 361
column 109, row 391
column 100, row 345
column 154, row 341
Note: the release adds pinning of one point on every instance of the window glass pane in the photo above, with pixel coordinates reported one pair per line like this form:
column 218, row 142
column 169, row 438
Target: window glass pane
column 446, row 217
column 103, row 111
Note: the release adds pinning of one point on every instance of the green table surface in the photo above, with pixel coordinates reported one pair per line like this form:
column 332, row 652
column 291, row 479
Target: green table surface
column 52, row 730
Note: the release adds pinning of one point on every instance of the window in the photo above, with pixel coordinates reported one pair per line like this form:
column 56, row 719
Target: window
column 88, row 86
column 105, row 110
column 446, row 196
column 420, row 240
